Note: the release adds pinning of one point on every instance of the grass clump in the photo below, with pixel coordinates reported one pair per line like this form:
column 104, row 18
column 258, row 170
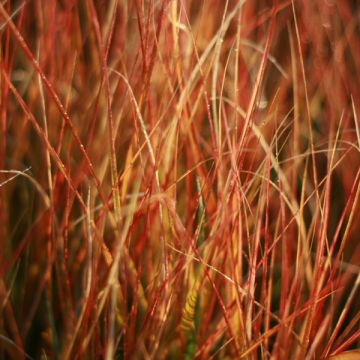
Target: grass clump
column 179, row 179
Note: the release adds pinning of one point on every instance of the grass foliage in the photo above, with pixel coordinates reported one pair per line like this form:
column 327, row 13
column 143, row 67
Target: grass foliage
column 179, row 179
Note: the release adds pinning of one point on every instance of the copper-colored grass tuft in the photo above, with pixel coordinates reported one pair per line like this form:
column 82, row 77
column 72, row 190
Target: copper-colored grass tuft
column 179, row 179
